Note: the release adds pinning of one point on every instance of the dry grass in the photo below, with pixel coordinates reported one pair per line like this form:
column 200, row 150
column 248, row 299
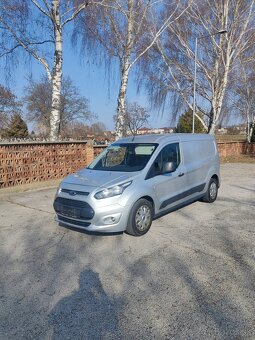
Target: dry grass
column 230, row 138
column 238, row 159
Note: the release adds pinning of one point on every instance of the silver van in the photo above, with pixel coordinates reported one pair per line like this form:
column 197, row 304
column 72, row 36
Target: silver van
column 137, row 179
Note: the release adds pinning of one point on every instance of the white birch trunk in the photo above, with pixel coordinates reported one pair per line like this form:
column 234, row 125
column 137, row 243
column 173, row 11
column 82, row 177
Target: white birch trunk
column 121, row 107
column 57, row 73
column 218, row 91
column 217, row 105
column 211, row 131
column 125, row 68
column 249, row 133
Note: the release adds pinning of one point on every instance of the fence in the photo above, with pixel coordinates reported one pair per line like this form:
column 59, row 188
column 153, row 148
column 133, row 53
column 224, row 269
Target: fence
column 235, row 148
column 22, row 163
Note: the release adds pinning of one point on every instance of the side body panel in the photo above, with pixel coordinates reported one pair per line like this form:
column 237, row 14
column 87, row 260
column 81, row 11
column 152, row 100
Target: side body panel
column 201, row 161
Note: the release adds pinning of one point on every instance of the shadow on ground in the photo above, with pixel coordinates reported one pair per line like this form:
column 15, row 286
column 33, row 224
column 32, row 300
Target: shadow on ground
column 88, row 313
column 191, row 277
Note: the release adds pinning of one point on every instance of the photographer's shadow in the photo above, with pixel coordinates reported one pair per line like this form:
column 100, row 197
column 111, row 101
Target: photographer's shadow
column 86, row 314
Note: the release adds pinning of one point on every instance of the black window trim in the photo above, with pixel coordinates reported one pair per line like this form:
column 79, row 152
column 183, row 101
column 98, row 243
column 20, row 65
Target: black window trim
column 148, row 173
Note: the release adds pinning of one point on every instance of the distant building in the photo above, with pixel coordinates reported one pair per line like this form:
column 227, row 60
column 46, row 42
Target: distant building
column 162, row 130
column 143, row 131
column 222, row 131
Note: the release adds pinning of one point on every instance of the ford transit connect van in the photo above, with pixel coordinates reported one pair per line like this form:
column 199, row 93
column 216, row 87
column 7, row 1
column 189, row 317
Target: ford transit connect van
column 137, row 179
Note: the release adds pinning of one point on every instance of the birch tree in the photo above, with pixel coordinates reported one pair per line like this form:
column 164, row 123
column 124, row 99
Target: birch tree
column 36, row 28
column 174, row 56
column 244, row 93
column 121, row 30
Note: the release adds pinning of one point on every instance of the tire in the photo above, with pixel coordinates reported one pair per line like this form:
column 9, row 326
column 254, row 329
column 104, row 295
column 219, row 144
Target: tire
column 140, row 218
column 212, row 191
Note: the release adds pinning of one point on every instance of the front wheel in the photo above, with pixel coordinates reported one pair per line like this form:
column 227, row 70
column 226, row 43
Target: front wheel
column 212, row 191
column 140, row 218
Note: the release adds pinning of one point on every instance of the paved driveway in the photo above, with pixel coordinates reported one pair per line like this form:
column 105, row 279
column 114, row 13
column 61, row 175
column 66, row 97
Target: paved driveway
column 191, row 277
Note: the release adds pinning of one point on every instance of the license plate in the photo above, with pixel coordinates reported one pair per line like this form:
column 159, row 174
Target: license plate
column 70, row 212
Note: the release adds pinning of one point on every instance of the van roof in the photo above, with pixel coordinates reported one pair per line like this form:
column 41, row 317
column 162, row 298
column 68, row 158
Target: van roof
column 159, row 138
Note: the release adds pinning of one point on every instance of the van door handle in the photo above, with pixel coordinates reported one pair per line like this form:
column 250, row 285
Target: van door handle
column 181, row 174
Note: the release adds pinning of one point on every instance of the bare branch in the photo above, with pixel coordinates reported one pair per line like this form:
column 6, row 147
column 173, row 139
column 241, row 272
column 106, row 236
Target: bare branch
column 29, row 50
column 159, row 32
column 28, row 44
column 41, row 9
column 75, row 13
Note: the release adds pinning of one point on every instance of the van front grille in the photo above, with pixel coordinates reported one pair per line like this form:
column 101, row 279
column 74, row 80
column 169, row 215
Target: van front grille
column 73, row 208
column 75, row 192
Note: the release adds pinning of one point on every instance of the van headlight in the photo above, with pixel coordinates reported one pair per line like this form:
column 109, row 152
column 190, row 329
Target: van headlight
column 58, row 192
column 112, row 191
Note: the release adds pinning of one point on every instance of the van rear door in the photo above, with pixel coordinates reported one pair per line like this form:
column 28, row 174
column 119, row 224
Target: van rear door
column 198, row 157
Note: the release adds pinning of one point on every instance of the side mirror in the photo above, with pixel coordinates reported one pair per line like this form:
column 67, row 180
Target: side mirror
column 169, row 167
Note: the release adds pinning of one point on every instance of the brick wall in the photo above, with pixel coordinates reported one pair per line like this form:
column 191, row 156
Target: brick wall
column 22, row 163
column 250, row 150
column 235, row 148
column 98, row 149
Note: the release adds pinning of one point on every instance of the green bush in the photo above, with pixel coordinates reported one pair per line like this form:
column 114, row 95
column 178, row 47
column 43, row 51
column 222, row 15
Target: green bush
column 17, row 127
column 185, row 123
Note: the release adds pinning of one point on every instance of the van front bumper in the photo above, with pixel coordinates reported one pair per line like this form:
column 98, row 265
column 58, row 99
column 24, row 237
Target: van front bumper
column 108, row 219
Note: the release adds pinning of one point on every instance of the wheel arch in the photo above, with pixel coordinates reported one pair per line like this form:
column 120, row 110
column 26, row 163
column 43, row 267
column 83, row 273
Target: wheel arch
column 216, row 177
column 150, row 199
column 130, row 229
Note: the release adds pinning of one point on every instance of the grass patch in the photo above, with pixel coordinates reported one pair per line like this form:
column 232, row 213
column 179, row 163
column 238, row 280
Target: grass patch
column 238, row 159
column 230, row 138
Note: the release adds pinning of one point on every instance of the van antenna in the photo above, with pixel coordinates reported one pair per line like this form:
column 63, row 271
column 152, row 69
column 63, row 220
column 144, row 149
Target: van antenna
column 133, row 138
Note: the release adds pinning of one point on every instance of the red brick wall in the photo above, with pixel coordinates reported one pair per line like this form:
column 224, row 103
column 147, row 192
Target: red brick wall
column 22, row 163
column 235, row 148
column 250, row 150
column 98, row 149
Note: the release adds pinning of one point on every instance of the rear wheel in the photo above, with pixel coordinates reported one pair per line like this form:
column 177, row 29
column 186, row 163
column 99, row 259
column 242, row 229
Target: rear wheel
column 140, row 218
column 212, row 191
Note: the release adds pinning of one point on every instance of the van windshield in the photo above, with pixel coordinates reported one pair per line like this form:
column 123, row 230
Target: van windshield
column 126, row 157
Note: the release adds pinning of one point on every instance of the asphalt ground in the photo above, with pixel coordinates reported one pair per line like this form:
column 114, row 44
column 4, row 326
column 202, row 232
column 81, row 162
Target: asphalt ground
column 191, row 277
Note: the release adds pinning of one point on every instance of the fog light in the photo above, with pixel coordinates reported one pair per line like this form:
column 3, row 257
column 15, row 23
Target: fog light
column 112, row 219
column 109, row 220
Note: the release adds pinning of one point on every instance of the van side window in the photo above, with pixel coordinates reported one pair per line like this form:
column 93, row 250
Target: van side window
column 170, row 153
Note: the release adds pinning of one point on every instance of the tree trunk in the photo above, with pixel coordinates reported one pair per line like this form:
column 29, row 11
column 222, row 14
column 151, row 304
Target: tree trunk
column 125, row 68
column 121, row 107
column 250, row 133
column 212, row 129
column 219, row 91
column 57, row 73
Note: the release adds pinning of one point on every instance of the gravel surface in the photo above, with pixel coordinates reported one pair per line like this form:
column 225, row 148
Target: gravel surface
column 191, row 277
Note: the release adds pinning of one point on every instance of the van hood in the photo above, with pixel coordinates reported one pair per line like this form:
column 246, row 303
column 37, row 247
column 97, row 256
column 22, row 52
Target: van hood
column 98, row 178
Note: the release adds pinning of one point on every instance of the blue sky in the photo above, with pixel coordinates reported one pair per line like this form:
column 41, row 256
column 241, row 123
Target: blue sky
column 92, row 83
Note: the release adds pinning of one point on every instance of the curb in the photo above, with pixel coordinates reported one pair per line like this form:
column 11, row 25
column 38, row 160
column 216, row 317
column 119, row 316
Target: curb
column 35, row 186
